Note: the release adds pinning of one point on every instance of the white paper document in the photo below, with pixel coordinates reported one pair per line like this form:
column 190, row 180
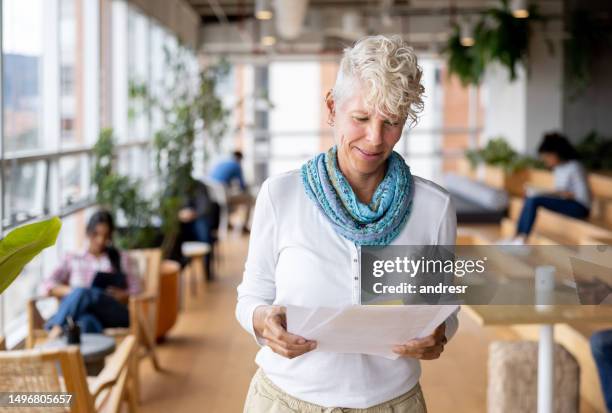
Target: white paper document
column 365, row 329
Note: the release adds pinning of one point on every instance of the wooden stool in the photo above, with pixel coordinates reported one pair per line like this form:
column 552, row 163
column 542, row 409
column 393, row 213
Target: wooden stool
column 195, row 253
column 513, row 378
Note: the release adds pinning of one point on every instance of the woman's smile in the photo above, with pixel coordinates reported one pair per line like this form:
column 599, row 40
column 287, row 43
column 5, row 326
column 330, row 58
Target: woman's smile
column 368, row 155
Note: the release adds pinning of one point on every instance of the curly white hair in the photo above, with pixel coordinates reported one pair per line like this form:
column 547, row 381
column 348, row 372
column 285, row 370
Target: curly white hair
column 387, row 66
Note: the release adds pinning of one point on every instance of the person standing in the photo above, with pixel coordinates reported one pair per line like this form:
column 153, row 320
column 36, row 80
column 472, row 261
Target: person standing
column 308, row 229
column 227, row 173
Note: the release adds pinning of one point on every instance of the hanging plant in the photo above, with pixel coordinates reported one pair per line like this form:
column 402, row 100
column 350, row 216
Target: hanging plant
column 588, row 36
column 465, row 62
column 498, row 37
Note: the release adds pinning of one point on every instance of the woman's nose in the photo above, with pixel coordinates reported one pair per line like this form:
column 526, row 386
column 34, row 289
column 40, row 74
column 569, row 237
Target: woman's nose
column 376, row 132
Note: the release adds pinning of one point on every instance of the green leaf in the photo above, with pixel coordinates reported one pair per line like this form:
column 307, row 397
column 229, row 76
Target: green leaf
column 23, row 244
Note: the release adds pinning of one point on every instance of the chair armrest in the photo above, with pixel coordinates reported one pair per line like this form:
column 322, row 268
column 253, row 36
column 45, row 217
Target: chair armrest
column 116, row 363
column 143, row 297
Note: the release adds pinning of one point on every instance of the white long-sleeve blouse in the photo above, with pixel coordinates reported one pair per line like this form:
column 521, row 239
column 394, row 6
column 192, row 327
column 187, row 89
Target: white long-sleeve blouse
column 295, row 257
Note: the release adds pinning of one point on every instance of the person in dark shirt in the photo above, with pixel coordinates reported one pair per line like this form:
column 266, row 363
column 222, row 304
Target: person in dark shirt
column 226, row 173
column 199, row 219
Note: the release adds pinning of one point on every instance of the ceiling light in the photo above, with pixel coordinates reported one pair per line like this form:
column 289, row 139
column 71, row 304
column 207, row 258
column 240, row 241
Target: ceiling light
column 466, row 34
column 268, row 41
column 263, row 9
column 267, row 36
column 519, row 9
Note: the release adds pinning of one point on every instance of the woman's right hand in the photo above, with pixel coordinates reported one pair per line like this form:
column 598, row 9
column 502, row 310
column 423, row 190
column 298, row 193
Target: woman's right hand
column 270, row 323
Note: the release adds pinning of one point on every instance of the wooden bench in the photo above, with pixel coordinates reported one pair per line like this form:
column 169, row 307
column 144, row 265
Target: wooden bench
column 514, row 183
column 556, row 226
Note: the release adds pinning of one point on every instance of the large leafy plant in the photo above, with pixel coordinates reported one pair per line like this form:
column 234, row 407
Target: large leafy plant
column 194, row 110
column 22, row 244
column 122, row 196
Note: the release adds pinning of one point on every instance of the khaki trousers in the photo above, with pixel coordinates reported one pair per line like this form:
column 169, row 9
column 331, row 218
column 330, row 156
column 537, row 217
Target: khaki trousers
column 265, row 397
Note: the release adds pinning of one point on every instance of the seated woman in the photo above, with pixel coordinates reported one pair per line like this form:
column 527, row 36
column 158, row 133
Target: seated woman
column 94, row 286
column 571, row 197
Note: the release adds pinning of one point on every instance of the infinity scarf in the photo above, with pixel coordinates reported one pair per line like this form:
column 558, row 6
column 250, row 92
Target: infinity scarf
column 377, row 223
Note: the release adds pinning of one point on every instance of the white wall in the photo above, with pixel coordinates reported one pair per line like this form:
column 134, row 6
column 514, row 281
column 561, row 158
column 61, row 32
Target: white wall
column 544, row 88
column 523, row 110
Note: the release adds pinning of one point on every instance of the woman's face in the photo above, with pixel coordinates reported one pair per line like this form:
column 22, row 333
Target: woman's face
column 550, row 159
column 99, row 238
column 365, row 139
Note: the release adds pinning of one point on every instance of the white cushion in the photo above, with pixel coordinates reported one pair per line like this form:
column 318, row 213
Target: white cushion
column 195, row 249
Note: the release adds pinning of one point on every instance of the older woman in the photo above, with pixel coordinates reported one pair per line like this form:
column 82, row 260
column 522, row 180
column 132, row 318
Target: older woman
column 309, row 226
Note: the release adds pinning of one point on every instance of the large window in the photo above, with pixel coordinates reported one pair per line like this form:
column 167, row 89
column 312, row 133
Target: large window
column 68, row 66
column 22, row 55
column 69, row 69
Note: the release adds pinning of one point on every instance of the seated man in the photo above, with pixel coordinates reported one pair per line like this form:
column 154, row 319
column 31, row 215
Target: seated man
column 92, row 307
column 199, row 218
column 227, row 172
column 601, row 346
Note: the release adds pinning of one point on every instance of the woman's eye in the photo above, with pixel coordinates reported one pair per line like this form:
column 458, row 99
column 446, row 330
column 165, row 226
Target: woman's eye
column 360, row 119
column 389, row 123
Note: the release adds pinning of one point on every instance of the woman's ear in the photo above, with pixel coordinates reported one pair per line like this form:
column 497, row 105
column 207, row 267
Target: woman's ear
column 331, row 107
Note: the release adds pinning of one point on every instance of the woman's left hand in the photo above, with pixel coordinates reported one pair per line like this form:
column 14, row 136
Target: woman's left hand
column 426, row 348
column 118, row 294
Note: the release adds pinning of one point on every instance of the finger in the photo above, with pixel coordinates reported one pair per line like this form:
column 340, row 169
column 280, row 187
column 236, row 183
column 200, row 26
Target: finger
column 288, row 353
column 431, row 355
column 406, row 351
column 418, row 343
column 287, row 340
column 416, row 349
column 307, row 346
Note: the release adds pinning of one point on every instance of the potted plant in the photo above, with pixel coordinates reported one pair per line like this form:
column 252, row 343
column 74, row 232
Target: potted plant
column 22, row 244
column 501, row 166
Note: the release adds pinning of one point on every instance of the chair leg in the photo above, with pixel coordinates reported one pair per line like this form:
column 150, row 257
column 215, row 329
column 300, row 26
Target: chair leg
column 132, row 396
column 193, row 276
column 134, row 382
column 149, row 344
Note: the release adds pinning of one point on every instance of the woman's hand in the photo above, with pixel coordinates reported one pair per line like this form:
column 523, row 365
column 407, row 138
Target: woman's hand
column 270, row 323
column 186, row 215
column 60, row 291
column 118, row 294
column 426, row 348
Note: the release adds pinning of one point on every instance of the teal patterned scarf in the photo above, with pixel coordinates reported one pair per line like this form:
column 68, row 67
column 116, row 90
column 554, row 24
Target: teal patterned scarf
column 377, row 223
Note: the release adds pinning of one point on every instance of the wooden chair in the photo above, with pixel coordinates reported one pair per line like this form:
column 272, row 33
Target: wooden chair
column 37, row 371
column 143, row 314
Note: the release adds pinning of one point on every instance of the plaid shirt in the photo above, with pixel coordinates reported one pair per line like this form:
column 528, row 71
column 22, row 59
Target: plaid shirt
column 79, row 270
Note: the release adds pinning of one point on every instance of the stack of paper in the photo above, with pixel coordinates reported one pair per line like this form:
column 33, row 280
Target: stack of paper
column 366, row 329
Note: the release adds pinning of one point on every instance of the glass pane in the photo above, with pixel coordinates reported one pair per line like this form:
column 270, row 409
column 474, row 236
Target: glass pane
column 138, row 69
column 74, row 175
column 22, row 27
column 25, row 191
column 18, row 293
column 67, row 56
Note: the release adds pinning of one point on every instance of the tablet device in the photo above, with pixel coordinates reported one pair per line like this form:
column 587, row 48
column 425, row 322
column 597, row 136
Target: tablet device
column 103, row 280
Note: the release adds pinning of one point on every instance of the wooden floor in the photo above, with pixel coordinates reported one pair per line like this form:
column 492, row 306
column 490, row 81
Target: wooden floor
column 208, row 358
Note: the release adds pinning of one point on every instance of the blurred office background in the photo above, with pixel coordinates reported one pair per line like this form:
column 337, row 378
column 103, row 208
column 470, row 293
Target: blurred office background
column 73, row 70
